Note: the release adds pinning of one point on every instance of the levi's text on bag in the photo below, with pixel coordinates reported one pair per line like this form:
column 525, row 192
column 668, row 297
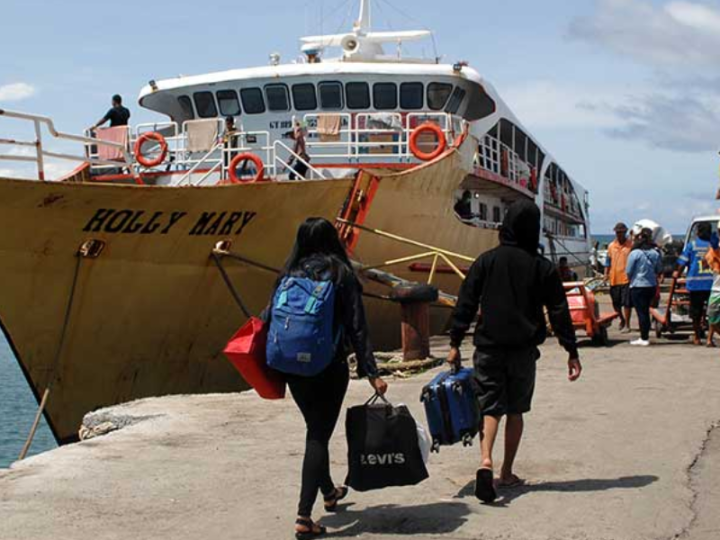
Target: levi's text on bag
column 300, row 339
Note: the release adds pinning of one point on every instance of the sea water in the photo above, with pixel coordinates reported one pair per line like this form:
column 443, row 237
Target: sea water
column 17, row 411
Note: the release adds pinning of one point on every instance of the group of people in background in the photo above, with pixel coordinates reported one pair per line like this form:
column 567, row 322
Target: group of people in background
column 634, row 267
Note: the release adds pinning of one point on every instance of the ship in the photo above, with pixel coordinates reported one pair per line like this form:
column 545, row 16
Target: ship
column 126, row 277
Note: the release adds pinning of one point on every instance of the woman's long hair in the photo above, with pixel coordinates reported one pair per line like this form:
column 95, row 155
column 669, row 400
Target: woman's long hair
column 318, row 239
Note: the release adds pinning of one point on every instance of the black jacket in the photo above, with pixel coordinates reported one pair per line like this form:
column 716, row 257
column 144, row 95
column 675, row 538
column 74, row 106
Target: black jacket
column 511, row 284
column 349, row 312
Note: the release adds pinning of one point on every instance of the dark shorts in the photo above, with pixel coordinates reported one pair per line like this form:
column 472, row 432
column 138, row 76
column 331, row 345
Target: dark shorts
column 621, row 298
column 505, row 380
column 698, row 303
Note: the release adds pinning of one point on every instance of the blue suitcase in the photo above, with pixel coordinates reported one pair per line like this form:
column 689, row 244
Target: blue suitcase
column 451, row 408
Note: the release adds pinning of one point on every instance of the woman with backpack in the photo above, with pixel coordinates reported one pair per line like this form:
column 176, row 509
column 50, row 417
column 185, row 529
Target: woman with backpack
column 316, row 314
column 643, row 267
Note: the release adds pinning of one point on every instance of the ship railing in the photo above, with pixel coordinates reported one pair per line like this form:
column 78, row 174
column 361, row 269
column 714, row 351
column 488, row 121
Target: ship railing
column 434, row 254
column 124, row 160
column 366, row 137
column 500, row 159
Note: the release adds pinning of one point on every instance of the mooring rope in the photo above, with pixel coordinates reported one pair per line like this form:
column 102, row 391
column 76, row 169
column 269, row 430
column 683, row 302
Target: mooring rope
column 233, row 291
column 58, row 355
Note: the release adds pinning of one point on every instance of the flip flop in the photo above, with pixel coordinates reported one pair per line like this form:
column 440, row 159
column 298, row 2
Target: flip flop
column 514, row 482
column 485, row 486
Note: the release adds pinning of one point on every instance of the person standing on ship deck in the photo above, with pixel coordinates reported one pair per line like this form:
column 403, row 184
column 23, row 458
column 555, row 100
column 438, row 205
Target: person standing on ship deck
column 644, row 265
column 318, row 254
column 699, row 276
column 511, row 284
column 300, row 167
column 117, row 115
column 617, row 255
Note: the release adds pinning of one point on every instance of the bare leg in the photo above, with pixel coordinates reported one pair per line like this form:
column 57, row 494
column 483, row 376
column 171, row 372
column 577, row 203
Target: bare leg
column 513, row 436
column 712, row 329
column 490, row 431
column 697, row 328
column 628, row 316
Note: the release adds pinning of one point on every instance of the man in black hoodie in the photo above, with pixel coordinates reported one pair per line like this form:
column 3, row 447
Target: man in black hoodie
column 511, row 285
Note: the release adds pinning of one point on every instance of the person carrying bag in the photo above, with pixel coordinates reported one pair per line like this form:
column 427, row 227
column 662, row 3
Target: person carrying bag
column 383, row 446
column 315, row 317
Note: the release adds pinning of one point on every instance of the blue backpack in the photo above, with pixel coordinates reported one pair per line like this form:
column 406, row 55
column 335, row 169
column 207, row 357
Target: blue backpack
column 300, row 338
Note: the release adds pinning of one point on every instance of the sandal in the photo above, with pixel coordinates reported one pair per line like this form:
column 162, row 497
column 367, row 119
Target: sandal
column 485, row 486
column 338, row 495
column 314, row 530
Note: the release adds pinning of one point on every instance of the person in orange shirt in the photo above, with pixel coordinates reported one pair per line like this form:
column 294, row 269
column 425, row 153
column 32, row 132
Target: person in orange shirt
column 617, row 256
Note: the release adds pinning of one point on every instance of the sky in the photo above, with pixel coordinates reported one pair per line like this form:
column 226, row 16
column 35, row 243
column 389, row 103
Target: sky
column 624, row 93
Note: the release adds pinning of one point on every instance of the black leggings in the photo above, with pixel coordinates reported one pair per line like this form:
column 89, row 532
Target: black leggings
column 320, row 399
column 642, row 298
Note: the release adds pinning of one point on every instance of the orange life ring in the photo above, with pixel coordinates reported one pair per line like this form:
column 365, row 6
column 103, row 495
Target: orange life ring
column 152, row 136
column 259, row 165
column 441, row 141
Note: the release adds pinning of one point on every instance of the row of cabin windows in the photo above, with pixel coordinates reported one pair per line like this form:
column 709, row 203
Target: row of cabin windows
column 332, row 96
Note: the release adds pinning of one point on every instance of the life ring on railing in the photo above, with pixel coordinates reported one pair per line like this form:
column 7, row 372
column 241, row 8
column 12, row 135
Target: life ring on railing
column 152, row 136
column 259, row 166
column 428, row 127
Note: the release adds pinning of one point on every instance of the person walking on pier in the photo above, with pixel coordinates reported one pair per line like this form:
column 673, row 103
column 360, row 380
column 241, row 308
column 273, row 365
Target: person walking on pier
column 319, row 255
column 699, row 276
column 643, row 267
column 617, row 255
column 511, row 284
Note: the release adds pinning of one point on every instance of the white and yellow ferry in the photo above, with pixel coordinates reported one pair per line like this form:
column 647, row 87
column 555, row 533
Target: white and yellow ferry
column 109, row 290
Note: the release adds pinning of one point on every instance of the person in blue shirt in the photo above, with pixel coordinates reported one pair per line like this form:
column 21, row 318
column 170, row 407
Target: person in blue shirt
column 699, row 276
column 643, row 267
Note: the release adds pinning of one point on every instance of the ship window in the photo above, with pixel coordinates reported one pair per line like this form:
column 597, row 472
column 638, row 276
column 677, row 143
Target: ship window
column 437, row 95
column 357, row 95
column 228, row 102
column 385, row 96
column 304, row 97
column 277, row 97
column 497, row 215
column 411, row 96
column 330, row 95
column 187, row 108
column 252, row 100
column 483, row 212
column 456, row 100
column 205, row 104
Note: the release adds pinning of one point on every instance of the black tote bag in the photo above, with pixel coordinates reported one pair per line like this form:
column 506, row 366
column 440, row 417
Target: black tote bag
column 383, row 447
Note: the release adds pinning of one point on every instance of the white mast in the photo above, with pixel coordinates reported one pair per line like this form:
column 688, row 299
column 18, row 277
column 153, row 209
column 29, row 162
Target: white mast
column 362, row 26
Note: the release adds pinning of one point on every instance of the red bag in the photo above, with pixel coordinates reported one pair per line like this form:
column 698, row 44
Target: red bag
column 246, row 351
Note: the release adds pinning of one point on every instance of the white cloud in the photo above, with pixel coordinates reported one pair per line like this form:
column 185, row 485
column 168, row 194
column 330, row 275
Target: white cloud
column 677, row 34
column 16, row 91
column 699, row 16
column 545, row 104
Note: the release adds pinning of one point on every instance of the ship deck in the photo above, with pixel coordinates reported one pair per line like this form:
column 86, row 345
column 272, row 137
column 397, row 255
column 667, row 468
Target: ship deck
column 629, row 452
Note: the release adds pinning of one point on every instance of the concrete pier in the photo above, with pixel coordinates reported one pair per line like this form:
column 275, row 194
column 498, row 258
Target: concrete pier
column 630, row 452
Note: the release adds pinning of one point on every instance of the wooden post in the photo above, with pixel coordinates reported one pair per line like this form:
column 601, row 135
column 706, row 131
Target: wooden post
column 415, row 325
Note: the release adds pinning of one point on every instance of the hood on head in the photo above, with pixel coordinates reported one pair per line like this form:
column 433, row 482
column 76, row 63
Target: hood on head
column 521, row 226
